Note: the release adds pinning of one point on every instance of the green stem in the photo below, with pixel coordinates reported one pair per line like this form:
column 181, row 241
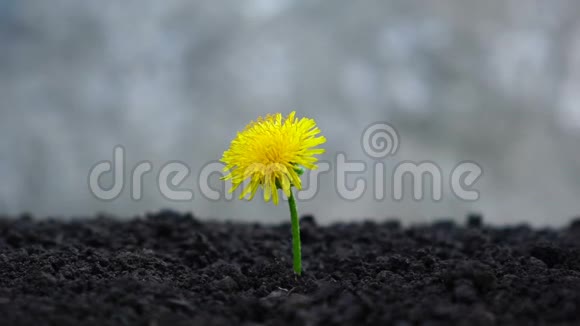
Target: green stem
column 296, row 250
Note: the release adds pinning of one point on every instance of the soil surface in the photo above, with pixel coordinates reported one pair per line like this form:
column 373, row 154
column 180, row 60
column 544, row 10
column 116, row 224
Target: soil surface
column 172, row 269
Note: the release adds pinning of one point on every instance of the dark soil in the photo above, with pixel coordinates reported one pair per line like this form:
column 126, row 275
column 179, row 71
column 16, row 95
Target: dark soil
column 171, row 269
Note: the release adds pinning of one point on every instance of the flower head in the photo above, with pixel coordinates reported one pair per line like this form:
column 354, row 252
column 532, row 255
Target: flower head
column 269, row 152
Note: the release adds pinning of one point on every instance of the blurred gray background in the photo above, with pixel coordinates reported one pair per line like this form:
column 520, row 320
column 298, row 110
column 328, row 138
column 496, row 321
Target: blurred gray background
column 496, row 82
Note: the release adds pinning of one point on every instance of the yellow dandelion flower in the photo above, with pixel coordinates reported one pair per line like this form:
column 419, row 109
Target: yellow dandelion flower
column 269, row 152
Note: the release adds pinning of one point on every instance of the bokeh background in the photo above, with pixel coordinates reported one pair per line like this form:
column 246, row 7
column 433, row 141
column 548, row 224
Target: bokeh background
column 496, row 82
